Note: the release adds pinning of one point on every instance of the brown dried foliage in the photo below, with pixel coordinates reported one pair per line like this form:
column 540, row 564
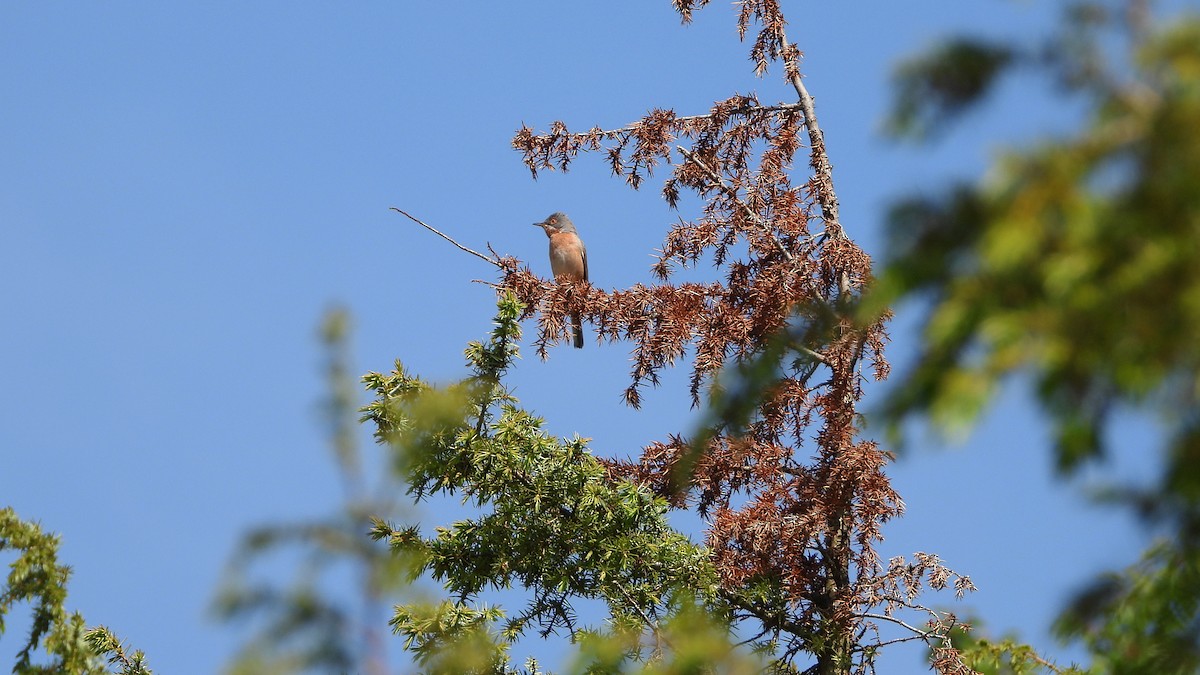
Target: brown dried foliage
column 794, row 499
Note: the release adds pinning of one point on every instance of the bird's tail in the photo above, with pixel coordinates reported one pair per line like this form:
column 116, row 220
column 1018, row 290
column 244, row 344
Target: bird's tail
column 577, row 323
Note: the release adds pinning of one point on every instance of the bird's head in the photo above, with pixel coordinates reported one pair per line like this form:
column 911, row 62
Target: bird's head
column 556, row 222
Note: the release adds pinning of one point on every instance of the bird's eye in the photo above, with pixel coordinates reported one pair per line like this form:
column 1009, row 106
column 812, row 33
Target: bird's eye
column 552, row 220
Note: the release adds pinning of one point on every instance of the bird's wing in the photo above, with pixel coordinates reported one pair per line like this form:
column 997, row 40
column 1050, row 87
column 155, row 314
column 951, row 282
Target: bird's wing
column 583, row 254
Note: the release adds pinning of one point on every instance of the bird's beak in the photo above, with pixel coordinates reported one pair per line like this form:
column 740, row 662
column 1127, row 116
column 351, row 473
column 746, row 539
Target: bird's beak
column 538, row 224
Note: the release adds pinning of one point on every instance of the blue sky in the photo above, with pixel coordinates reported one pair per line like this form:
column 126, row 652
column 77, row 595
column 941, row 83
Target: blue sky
column 186, row 187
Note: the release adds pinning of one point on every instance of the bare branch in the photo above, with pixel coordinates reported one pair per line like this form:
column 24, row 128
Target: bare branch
column 441, row 234
column 924, row 634
column 819, row 157
column 815, row 354
column 906, row 638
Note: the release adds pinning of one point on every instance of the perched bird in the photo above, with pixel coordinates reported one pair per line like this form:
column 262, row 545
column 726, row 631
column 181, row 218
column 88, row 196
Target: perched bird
column 568, row 258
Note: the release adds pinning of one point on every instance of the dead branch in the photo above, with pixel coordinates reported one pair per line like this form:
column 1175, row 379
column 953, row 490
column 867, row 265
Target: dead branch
column 494, row 261
column 819, row 157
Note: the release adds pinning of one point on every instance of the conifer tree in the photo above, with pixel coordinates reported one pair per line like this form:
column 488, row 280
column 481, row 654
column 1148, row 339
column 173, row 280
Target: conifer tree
column 793, row 496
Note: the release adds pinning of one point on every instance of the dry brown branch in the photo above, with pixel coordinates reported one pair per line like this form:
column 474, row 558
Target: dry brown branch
column 826, row 195
column 732, row 192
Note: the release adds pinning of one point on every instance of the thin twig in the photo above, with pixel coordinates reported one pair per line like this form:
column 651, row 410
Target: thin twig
column 732, row 192
column 447, row 237
column 925, row 634
column 815, row 354
column 658, row 636
column 907, row 638
column 686, row 119
column 716, row 178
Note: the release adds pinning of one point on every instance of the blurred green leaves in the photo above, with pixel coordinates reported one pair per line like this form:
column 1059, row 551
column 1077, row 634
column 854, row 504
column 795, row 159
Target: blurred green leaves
column 1144, row 619
column 330, row 616
column 1077, row 262
column 1076, row 259
column 936, row 87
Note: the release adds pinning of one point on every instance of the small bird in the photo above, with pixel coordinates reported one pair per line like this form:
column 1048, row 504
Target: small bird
column 568, row 258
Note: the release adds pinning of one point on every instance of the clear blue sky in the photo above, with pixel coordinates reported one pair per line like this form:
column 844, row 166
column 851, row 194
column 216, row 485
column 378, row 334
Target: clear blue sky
column 185, row 187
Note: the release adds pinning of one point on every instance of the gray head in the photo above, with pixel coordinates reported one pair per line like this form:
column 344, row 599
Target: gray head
column 556, row 222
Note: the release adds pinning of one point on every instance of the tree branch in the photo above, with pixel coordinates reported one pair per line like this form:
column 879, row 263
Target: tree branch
column 447, row 238
column 654, row 627
column 744, row 110
column 924, row 634
column 732, row 192
column 819, row 157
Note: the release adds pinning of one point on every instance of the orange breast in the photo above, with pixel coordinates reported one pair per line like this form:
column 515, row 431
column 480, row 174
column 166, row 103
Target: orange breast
column 566, row 256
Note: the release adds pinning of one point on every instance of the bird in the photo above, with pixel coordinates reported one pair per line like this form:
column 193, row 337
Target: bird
column 568, row 258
